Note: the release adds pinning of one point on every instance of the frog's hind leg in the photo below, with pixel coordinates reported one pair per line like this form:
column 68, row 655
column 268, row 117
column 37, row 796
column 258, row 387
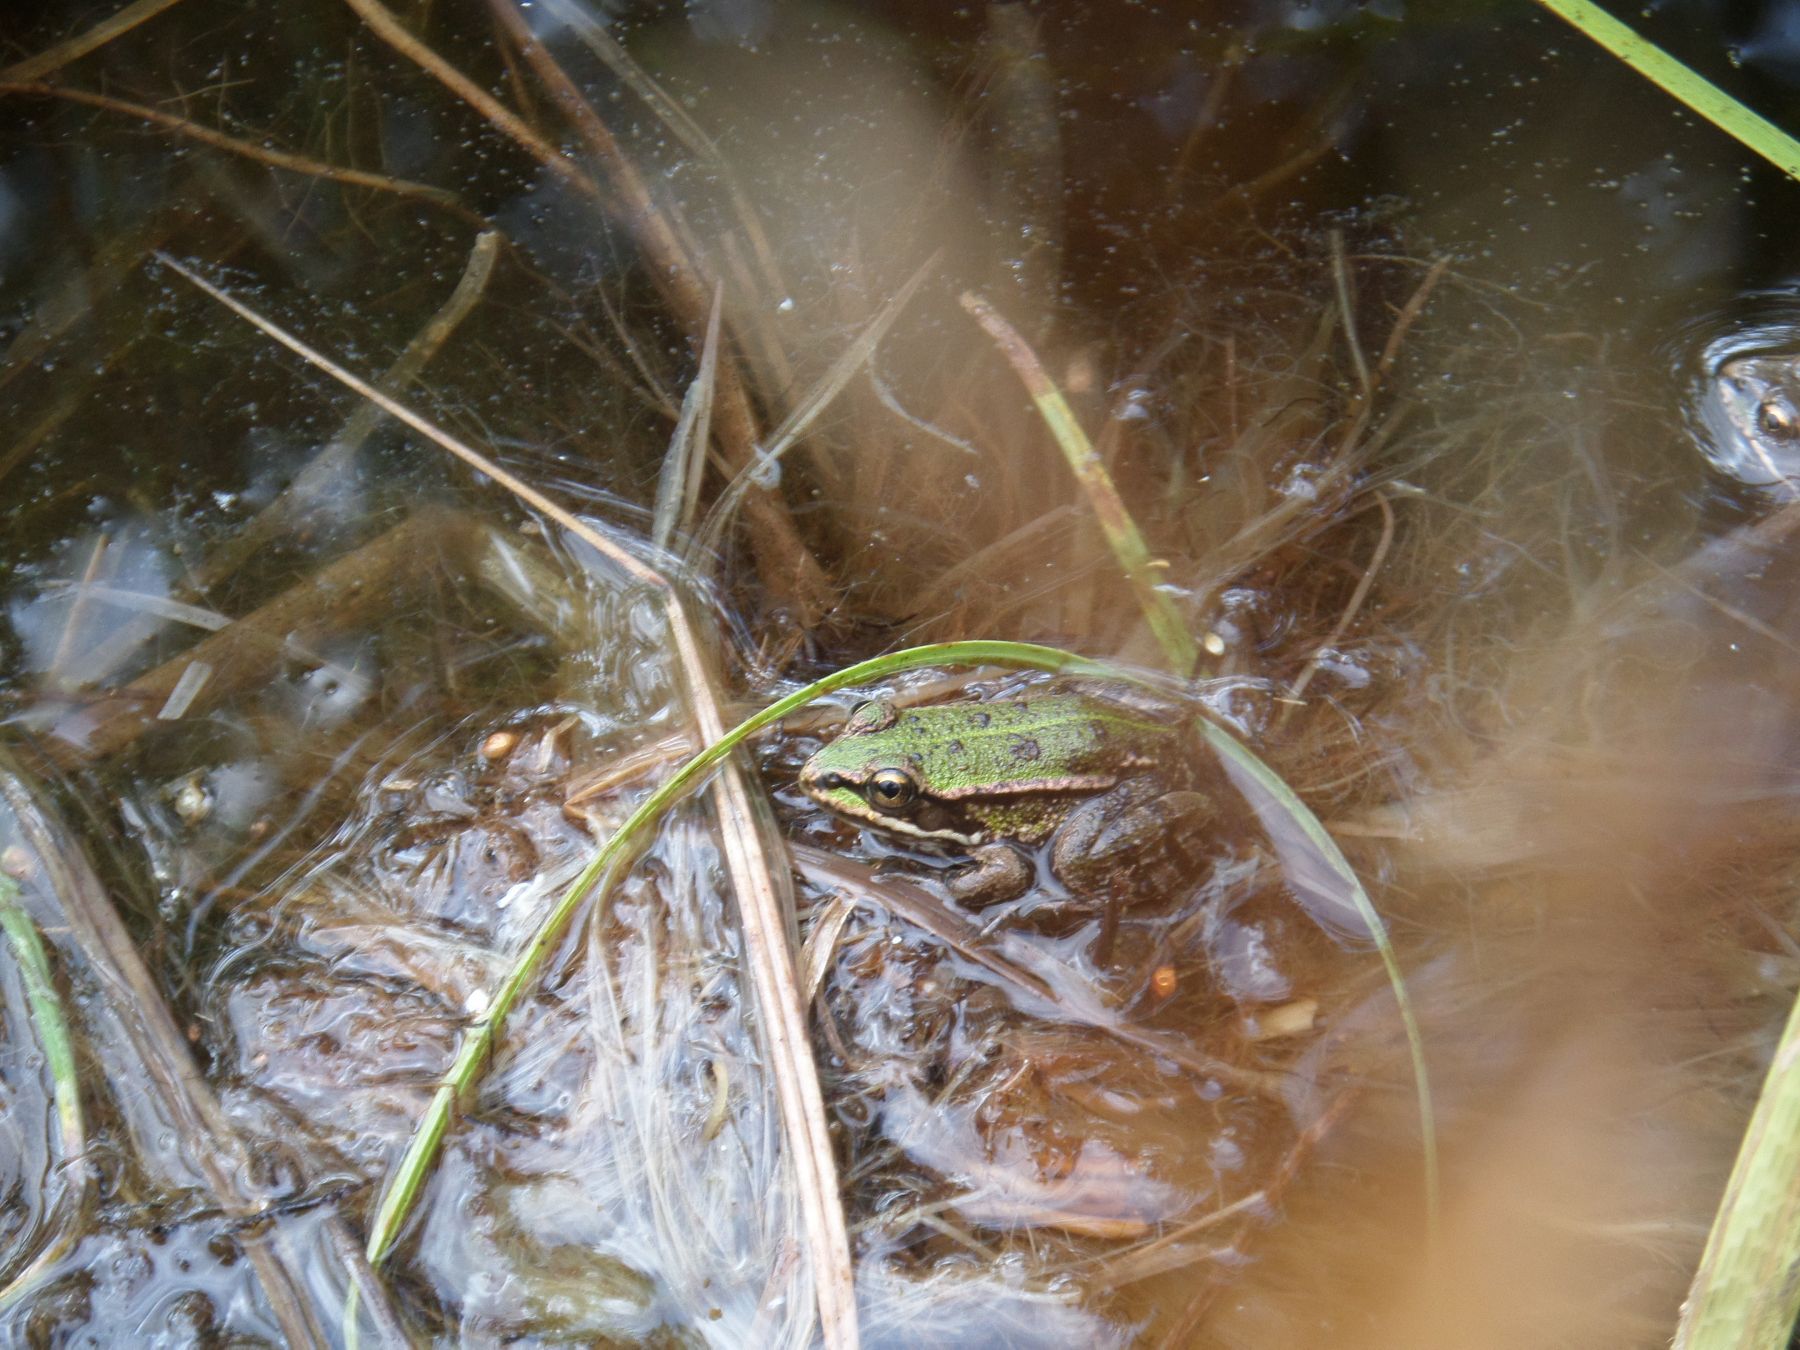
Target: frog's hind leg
column 1130, row 846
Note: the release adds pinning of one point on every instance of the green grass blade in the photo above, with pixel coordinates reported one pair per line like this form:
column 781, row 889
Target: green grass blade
column 401, row 1196
column 1121, row 531
column 1746, row 1292
column 1285, row 799
column 46, row 1012
column 1698, row 93
column 52, row 1029
column 402, row 1192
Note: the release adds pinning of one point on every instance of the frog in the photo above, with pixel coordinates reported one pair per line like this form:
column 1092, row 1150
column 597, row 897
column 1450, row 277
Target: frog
column 1751, row 412
column 1114, row 798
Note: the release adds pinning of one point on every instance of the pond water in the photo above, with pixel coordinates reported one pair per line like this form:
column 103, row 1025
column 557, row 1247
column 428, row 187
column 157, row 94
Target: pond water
column 1447, row 370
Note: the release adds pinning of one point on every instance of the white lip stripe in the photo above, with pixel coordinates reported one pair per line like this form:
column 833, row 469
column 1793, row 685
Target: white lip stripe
column 906, row 827
column 895, row 826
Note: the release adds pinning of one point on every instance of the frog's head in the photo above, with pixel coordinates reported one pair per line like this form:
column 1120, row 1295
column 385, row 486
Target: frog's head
column 875, row 776
column 1752, row 416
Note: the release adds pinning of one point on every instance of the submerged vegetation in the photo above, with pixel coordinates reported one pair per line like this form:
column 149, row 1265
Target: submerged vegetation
column 433, row 429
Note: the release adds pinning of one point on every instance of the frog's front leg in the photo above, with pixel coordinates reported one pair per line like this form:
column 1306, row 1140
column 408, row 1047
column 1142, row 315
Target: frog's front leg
column 1000, row 873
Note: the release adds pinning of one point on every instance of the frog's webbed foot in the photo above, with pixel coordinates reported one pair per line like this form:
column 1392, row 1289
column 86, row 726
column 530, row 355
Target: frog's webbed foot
column 1000, row 873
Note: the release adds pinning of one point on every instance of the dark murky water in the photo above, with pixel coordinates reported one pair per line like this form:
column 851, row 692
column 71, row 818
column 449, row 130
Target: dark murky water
column 1417, row 343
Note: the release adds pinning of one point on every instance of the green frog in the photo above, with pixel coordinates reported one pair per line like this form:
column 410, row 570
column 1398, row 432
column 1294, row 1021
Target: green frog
column 1115, row 792
column 1751, row 413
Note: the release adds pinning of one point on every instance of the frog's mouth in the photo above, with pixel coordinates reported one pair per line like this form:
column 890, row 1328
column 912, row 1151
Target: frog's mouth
column 917, row 830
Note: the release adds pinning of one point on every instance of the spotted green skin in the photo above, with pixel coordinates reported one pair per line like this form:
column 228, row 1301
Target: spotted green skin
column 1008, row 769
column 1095, row 779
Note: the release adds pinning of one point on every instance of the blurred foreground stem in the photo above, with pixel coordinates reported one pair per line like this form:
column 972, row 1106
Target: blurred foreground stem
column 1746, row 1293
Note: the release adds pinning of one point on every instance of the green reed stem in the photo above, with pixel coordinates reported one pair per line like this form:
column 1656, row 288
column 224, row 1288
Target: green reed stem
column 1121, row 531
column 1231, row 748
column 402, row 1192
column 1746, row 1292
column 52, row 1029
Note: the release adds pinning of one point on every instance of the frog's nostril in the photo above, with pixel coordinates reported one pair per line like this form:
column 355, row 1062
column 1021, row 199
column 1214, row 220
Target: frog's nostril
column 833, row 780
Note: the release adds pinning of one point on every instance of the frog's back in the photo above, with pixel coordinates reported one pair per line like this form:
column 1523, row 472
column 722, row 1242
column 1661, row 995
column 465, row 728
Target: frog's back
column 1031, row 740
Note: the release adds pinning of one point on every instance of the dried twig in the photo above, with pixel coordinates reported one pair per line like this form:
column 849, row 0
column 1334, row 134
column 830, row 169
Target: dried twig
column 72, row 300
column 65, row 644
column 658, row 232
column 343, row 593
column 278, row 159
column 783, row 561
column 1345, row 286
column 599, row 40
column 92, row 39
column 819, row 396
column 769, row 943
column 1360, row 594
column 391, row 31
column 678, row 486
column 185, row 1103
column 325, row 471
column 768, row 937
column 673, row 261
column 1409, row 313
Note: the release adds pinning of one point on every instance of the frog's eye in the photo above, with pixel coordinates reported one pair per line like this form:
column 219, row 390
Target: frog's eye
column 1776, row 419
column 891, row 787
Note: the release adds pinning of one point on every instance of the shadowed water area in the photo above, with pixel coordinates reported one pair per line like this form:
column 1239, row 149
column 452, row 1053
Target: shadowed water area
column 1450, row 375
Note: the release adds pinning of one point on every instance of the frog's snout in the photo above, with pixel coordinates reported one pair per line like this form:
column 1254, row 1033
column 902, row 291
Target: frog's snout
column 814, row 779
